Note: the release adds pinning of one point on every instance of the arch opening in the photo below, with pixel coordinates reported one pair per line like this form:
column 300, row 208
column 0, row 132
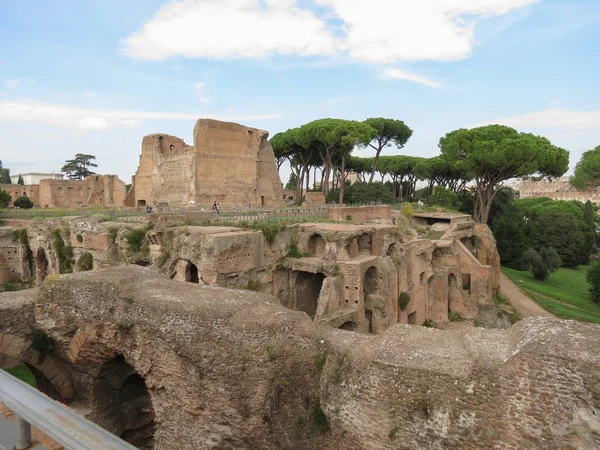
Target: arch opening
column 316, row 245
column 123, row 404
column 348, row 326
column 364, row 243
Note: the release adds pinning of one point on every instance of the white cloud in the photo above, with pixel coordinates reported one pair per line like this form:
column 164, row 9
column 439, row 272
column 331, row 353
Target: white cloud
column 382, row 31
column 398, row 74
column 201, row 93
column 90, row 95
column 230, row 29
column 553, row 118
column 91, row 119
column 12, row 83
column 93, row 123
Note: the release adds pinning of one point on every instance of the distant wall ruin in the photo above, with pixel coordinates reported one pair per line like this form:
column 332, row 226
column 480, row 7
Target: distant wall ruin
column 228, row 163
column 557, row 189
column 101, row 191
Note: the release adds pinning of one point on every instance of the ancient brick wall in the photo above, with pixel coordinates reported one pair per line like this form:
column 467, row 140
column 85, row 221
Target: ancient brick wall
column 95, row 191
column 360, row 214
column 235, row 369
column 557, row 189
column 17, row 190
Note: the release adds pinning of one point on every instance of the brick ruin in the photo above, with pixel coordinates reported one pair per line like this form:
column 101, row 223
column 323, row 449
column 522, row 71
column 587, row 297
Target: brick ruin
column 168, row 364
column 97, row 191
column 557, row 189
column 228, row 163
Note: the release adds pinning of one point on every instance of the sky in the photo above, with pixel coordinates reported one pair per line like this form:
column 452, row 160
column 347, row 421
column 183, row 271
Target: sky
column 95, row 76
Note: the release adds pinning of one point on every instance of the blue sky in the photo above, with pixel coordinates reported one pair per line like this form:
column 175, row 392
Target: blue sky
column 96, row 76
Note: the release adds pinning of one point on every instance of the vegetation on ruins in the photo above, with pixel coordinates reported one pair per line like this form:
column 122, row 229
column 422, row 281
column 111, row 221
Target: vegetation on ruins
column 5, row 199
column 85, row 262
column 587, row 171
column 135, row 239
column 20, row 236
column 42, row 342
column 566, row 294
column 4, row 175
column 407, row 209
column 403, row 300
column 78, row 167
column 23, row 202
column 542, row 263
column 495, row 153
column 63, row 252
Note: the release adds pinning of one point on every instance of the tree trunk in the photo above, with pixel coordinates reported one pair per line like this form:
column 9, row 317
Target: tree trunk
column 376, row 160
column 342, row 179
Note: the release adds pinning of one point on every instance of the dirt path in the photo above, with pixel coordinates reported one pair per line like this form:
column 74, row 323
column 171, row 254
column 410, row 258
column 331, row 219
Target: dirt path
column 525, row 305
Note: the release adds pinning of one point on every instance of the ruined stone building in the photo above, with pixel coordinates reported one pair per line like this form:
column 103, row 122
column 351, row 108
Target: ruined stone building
column 557, row 189
column 101, row 191
column 228, row 163
column 183, row 354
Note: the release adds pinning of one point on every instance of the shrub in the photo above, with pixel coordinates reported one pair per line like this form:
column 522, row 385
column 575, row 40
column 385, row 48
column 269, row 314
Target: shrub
column 407, row 209
column 135, row 239
column 293, row 250
column 542, row 263
column 269, row 229
column 42, row 342
column 361, row 193
column 85, row 262
column 593, row 277
column 101, row 217
column 443, row 197
column 23, row 202
column 79, row 238
column 403, row 300
column 5, row 199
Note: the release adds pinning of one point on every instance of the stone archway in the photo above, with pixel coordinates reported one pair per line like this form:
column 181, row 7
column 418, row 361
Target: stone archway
column 122, row 403
column 364, row 243
column 52, row 374
column 184, row 270
column 348, row 326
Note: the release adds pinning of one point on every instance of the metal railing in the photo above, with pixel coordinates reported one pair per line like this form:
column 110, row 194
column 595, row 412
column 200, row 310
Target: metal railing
column 56, row 421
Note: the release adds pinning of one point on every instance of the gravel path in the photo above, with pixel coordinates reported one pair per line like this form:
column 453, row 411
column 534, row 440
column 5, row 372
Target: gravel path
column 525, row 305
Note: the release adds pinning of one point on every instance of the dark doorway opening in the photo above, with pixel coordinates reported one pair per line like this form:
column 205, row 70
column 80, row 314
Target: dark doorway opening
column 412, row 318
column 349, row 326
column 124, row 405
column 141, row 202
column 308, row 289
column 41, row 265
column 192, row 274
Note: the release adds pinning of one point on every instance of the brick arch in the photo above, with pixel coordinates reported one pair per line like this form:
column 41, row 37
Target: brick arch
column 55, row 370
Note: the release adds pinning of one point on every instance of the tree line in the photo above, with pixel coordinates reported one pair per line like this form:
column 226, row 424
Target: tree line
column 486, row 156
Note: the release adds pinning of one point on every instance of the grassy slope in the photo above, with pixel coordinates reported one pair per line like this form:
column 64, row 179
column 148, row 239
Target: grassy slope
column 23, row 373
column 565, row 293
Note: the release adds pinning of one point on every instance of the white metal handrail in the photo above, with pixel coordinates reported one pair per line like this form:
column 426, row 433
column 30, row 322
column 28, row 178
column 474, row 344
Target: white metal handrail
column 58, row 422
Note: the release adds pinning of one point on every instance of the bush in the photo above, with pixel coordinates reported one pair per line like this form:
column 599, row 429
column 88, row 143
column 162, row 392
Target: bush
column 42, row 342
column 85, row 262
column 593, row 277
column 443, row 197
column 5, row 199
column 363, row 194
column 135, row 239
column 20, row 236
column 23, row 202
column 407, row 209
column 543, row 263
column 403, row 300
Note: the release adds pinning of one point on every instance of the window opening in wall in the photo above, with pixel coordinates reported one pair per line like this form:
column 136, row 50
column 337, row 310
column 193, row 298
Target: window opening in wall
column 422, row 279
column 370, row 281
column 466, row 281
column 316, row 245
column 171, row 147
column 141, row 202
column 364, row 243
column 369, row 317
column 412, row 318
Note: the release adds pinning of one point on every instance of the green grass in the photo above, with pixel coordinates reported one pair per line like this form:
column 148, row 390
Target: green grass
column 23, row 373
column 565, row 293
